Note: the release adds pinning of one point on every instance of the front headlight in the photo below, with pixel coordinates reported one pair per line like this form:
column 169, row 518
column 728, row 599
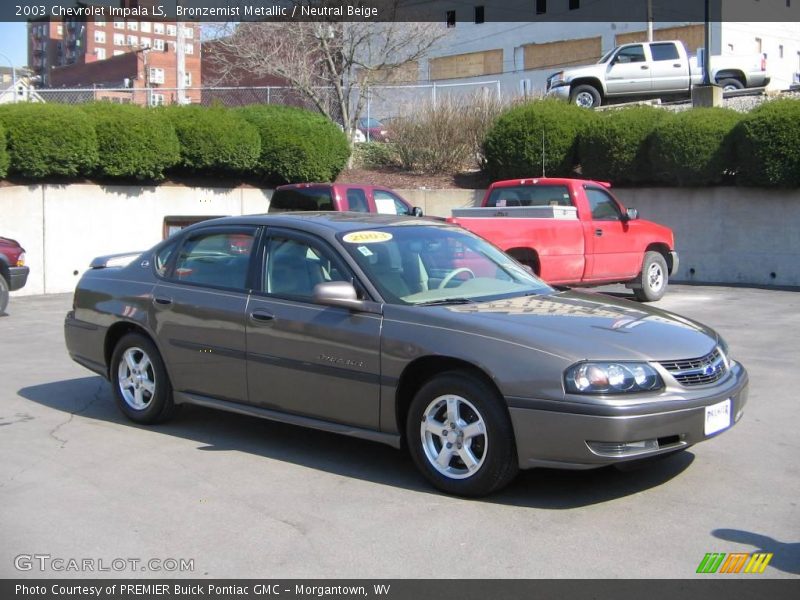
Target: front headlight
column 21, row 260
column 726, row 356
column 612, row 378
column 557, row 79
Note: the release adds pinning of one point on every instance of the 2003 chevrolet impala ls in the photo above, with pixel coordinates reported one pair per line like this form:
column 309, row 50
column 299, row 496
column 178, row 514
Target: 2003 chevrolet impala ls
column 401, row 331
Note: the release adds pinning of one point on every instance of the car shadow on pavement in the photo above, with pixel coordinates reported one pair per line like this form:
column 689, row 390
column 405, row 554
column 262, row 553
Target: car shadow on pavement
column 786, row 555
column 218, row 431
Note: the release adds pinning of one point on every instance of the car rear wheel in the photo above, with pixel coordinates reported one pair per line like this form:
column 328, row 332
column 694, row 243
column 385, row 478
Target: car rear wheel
column 3, row 294
column 731, row 85
column 141, row 386
column 460, row 437
column 653, row 279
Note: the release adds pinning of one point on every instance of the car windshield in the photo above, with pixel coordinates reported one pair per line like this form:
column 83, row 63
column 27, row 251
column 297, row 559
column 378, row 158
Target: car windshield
column 420, row 265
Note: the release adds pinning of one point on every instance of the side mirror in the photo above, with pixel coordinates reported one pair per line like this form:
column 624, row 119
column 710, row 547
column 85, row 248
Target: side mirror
column 416, row 211
column 343, row 295
column 632, row 214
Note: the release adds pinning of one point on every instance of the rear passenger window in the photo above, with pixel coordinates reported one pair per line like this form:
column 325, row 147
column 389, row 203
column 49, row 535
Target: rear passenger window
column 216, row 259
column 357, row 200
column 664, row 52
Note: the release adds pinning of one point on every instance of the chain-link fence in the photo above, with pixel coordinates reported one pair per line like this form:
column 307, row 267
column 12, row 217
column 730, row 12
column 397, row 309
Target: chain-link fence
column 386, row 101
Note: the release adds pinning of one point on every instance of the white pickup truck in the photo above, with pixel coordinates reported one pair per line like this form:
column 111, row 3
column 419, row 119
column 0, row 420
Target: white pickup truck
column 652, row 69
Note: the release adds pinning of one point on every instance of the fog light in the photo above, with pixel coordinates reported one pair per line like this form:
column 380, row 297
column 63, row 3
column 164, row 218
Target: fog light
column 622, row 448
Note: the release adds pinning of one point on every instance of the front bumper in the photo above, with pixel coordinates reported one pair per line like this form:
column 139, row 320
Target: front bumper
column 674, row 263
column 573, row 436
column 561, row 92
column 19, row 277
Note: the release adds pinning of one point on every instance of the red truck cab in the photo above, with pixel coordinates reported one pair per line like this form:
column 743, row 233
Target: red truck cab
column 575, row 232
column 340, row 197
column 13, row 272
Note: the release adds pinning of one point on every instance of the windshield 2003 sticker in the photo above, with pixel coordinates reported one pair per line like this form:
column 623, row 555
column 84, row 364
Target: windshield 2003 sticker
column 367, row 237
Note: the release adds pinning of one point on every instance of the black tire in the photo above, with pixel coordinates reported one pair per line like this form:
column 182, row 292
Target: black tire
column 585, row 96
column 3, row 294
column 654, row 278
column 730, row 83
column 493, row 450
column 153, row 405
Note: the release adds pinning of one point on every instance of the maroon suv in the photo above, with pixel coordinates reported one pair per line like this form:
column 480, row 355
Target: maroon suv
column 351, row 197
column 13, row 272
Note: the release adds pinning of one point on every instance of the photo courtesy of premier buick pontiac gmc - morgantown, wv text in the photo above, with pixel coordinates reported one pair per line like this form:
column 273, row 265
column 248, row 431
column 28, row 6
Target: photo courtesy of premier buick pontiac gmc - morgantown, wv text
column 409, row 331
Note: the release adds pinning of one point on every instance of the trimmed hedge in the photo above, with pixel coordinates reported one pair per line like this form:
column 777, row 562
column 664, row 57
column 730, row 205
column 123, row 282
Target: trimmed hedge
column 767, row 144
column 48, row 140
column 513, row 146
column 694, row 147
column 215, row 140
column 615, row 146
column 297, row 145
column 133, row 142
column 4, row 160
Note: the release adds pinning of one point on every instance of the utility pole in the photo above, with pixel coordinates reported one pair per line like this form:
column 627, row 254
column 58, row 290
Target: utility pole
column 649, row 20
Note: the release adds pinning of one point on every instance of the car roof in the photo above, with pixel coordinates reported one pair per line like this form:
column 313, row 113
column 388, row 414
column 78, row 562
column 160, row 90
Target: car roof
column 324, row 222
column 329, row 186
column 546, row 181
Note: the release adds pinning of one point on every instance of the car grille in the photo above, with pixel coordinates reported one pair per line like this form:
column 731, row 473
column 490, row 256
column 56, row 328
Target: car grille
column 697, row 371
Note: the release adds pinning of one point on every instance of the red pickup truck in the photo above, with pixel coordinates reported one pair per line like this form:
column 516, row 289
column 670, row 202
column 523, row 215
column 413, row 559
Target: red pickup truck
column 574, row 232
column 13, row 272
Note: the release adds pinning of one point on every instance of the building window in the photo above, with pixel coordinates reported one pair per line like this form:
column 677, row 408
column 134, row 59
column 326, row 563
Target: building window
column 156, row 75
column 172, row 30
column 60, row 30
column 156, row 99
column 101, row 22
column 451, row 19
column 479, row 15
column 133, row 40
column 145, row 42
column 187, row 79
column 119, row 39
column 158, row 44
column 100, row 37
column 188, row 32
column 133, row 25
column 100, row 53
column 118, row 53
column 758, row 45
column 541, row 7
column 780, row 51
column 189, row 48
column 119, row 24
column 158, row 28
column 574, row 4
column 145, row 26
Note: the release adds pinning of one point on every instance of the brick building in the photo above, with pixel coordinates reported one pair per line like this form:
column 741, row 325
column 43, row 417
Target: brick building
column 112, row 52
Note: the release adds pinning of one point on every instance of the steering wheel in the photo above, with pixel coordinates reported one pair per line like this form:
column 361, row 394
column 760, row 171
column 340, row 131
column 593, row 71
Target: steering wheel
column 449, row 277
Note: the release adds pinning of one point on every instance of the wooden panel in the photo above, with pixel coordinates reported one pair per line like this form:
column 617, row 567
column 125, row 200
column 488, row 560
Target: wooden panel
column 472, row 64
column 561, row 54
column 692, row 36
column 406, row 73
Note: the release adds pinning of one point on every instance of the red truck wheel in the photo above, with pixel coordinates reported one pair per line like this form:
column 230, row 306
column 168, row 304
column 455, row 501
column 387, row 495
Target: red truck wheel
column 654, row 278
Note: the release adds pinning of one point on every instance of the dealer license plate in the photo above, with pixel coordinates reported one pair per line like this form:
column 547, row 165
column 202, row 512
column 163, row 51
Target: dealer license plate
column 718, row 417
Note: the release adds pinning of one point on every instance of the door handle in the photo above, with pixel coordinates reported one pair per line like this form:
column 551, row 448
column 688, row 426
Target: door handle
column 643, row 67
column 598, row 232
column 261, row 316
column 162, row 300
column 677, row 65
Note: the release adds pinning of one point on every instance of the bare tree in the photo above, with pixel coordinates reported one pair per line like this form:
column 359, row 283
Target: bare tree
column 332, row 63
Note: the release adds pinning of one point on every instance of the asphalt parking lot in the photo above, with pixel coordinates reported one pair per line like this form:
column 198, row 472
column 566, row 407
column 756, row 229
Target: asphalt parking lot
column 249, row 498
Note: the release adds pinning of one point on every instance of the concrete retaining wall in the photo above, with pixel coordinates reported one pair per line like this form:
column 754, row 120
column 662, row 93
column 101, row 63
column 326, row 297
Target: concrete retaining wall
column 724, row 235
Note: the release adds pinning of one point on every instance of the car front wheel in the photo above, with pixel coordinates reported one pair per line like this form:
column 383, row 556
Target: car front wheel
column 460, row 437
column 3, row 294
column 141, row 386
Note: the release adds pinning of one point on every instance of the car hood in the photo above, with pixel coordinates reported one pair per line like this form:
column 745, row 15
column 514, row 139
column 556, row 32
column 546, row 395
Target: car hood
column 580, row 326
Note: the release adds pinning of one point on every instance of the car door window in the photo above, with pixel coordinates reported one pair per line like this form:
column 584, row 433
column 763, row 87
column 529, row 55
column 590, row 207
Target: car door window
column 295, row 266
column 390, row 204
column 664, row 52
column 603, row 206
column 631, row 54
column 357, row 200
column 217, row 258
